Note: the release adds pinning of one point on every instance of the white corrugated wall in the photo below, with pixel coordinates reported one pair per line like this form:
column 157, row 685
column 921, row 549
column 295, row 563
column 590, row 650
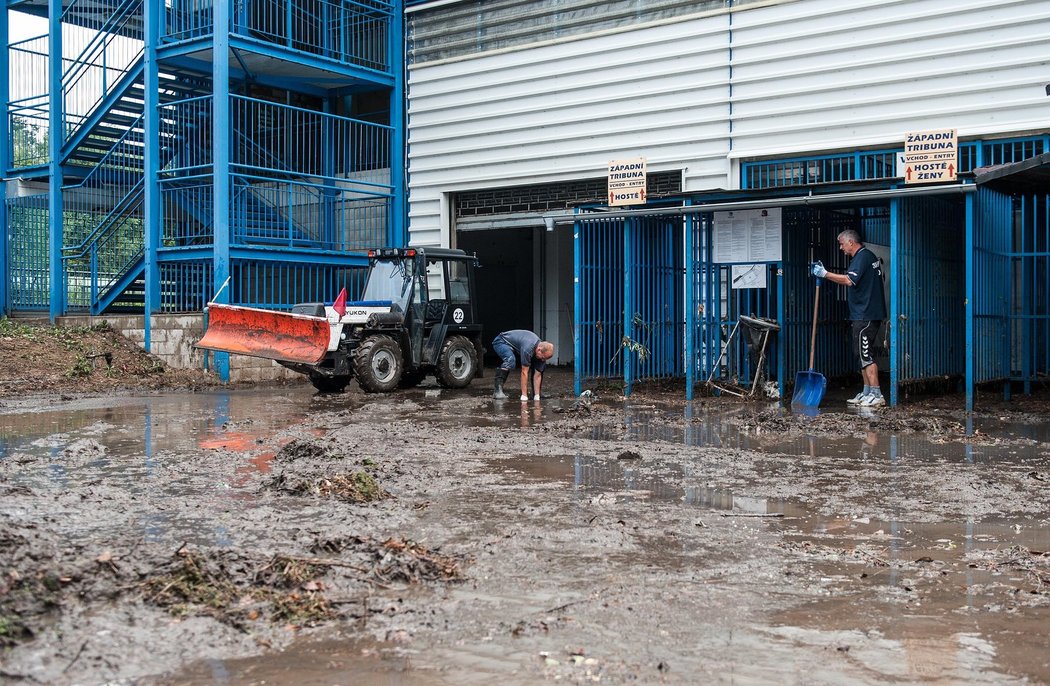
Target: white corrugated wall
column 785, row 77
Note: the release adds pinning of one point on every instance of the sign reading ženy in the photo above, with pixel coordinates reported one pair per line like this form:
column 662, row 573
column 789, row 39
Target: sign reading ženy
column 627, row 182
column 930, row 156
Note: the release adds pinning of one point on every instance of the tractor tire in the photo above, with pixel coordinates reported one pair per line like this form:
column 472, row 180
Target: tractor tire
column 377, row 364
column 329, row 384
column 458, row 363
column 411, row 379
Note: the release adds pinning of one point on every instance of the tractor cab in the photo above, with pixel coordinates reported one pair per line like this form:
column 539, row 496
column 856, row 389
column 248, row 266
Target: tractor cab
column 434, row 289
column 417, row 316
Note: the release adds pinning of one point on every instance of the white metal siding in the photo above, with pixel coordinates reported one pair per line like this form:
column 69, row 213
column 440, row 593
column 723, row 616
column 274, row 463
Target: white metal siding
column 806, row 76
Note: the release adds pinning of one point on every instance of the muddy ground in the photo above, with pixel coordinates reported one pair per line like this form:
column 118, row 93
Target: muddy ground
column 439, row 537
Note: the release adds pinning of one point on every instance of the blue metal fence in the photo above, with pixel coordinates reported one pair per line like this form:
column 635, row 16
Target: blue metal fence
column 992, row 308
column 280, row 285
column 29, row 263
column 655, row 336
column 931, row 289
column 810, row 234
column 354, row 32
column 185, row 285
column 599, row 247
column 879, row 164
column 1031, row 310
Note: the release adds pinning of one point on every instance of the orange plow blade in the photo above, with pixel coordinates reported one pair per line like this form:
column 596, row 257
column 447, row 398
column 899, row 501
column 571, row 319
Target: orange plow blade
column 265, row 333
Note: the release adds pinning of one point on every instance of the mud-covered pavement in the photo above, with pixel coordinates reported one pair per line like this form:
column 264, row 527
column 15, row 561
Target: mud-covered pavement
column 439, row 537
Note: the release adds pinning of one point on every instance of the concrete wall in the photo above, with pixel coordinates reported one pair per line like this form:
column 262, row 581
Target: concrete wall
column 173, row 339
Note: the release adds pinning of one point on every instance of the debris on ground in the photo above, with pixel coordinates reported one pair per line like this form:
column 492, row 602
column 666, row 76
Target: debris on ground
column 37, row 358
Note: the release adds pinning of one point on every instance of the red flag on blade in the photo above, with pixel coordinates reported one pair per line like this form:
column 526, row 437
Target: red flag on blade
column 340, row 303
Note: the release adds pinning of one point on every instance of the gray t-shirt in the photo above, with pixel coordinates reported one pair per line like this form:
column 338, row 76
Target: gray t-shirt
column 524, row 344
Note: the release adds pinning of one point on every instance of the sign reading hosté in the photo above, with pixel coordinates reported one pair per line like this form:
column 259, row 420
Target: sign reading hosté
column 627, row 182
column 930, row 156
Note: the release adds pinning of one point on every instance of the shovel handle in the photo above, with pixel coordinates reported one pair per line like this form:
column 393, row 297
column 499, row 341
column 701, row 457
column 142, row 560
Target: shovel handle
column 813, row 334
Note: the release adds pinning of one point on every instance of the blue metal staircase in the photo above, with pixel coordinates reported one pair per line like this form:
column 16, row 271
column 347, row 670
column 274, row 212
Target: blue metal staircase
column 297, row 194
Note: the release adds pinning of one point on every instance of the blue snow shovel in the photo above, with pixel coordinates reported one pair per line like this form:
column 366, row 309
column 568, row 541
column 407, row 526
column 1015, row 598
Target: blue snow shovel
column 810, row 385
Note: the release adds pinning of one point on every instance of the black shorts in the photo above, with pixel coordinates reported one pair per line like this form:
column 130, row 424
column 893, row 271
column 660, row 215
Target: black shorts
column 864, row 334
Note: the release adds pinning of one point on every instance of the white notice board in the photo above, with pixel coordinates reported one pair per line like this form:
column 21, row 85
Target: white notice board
column 748, row 236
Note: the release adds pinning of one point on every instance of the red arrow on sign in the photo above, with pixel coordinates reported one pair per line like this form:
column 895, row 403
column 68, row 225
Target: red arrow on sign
column 951, row 170
column 907, row 174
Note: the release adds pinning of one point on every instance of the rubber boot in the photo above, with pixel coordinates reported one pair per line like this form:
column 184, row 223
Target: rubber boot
column 501, row 378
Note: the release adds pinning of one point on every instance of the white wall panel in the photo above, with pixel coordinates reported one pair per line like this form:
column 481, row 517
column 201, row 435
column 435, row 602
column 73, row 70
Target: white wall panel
column 561, row 111
column 804, row 76
column 823, row 74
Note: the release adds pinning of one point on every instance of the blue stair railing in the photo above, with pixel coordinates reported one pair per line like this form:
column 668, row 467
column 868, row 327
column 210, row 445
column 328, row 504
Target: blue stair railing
column 114, row 45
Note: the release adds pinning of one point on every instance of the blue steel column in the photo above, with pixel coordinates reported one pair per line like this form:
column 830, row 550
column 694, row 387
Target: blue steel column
column 690, row 306
column 895, row 304
column 220, row 74
column 782, row 347
column 328, row 195
column 969, row 302
column 577, row 344
column 628, row 303
column 397, row 225
column 6, row 153
column 56, row 136
column 151, row 181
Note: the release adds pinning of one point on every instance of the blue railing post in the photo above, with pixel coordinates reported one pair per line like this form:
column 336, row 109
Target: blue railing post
column 970, row 295
column 93, row 297
column 56, row 135
column 690, row 305
column 895, row 306
column 577, row 299
column 152, row 9
column 628, row 303
column 6, row 152
column 330, row 192
column 782, row 346
column 220, row 73
column 397, row 223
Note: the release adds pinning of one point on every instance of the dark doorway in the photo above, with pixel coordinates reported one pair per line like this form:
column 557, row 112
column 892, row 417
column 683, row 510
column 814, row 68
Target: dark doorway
column 504, row 281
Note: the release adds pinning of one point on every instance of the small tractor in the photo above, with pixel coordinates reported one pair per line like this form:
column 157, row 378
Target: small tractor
column 417, row 316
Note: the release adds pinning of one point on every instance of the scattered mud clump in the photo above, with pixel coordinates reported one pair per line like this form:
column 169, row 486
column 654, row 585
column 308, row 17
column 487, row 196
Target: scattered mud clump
column 283, row 590
column 411, row 562
column 302, row 450
column 779, row 421
column 394, row 559
column 353, row 487
column 1035, row 565
column 308, row 468
column 356, row 487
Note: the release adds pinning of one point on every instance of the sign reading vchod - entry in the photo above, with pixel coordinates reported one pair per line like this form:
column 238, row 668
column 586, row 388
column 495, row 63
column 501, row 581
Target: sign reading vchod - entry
column 930, row 156
column 627, row 182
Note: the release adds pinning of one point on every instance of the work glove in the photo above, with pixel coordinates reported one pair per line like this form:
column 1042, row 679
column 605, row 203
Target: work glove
column 817, row 270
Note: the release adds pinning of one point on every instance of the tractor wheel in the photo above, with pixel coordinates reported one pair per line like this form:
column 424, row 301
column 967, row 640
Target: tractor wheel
column 458, row 363
column 411, row 379
column 329, row 384
column 378, row 364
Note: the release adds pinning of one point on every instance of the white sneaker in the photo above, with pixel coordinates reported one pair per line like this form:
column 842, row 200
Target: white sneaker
column 857, row 399
column 873, row 401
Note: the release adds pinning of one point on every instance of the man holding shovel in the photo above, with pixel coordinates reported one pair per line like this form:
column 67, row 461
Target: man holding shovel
column 867, row 309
